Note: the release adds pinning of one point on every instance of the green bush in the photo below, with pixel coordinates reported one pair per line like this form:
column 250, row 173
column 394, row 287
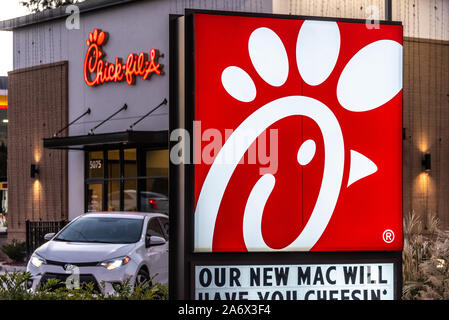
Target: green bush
column 13, row 287
column 16, row 251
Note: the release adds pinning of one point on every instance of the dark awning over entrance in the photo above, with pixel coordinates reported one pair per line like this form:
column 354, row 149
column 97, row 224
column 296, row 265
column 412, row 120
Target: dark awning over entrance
column 153, row 138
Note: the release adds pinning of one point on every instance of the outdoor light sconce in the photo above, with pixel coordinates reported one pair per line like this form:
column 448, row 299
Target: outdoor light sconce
column 34, row 171
column 426, row 164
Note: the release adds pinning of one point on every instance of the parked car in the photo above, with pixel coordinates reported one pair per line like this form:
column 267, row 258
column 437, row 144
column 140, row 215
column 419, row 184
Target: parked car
column 129, row 197
column 149, row 201
column 153, row 202
column 106, row 249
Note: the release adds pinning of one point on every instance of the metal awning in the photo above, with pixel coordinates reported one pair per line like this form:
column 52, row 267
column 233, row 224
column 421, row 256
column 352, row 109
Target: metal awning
column 149, row 138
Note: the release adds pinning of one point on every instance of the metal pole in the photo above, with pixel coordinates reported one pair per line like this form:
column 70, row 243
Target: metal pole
column 154, row 109
column 122, row 108
column 87, row 112
column 388, row 10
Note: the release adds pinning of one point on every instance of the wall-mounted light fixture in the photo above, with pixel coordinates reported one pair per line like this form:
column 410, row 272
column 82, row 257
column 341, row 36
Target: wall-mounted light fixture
column 34, row 171
column 426, row 163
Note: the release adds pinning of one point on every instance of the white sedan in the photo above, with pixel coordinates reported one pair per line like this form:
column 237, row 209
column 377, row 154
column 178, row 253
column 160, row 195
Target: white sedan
column 105, row 249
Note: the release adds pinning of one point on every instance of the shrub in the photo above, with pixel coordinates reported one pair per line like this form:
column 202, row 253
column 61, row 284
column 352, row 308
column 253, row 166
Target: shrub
column 425, row 259
column 16, row 251
column 13, row 287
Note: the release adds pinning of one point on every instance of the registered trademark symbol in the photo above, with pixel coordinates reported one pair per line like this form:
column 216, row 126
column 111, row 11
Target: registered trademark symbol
column 388, row 236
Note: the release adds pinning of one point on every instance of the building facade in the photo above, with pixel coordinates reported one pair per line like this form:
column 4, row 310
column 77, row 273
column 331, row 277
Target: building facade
column 78, row 143
column 115, row 157
column 3, row 156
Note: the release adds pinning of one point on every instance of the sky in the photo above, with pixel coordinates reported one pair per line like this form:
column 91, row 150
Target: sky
column 8, row 9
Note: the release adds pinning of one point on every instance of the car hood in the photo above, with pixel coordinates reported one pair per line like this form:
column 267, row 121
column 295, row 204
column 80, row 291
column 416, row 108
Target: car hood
column 83, row 252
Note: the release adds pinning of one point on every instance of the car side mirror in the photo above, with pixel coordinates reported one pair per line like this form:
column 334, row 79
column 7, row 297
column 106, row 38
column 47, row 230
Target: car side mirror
column 49, row 236
column 154, row 241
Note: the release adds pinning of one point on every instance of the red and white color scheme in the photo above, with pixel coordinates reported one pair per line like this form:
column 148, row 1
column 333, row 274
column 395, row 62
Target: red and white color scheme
column 98, row 71
column 333, row 92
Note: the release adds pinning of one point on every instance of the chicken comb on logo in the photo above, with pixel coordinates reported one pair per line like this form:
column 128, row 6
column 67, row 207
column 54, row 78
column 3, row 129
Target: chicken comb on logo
column 97, row 37
column 333, row 91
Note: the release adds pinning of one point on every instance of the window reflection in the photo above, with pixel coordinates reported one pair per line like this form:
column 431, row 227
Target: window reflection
column 118, row 171
column 157, row 163
column 154, row 194
column 114, row 195
column 130, row 195
column 113, row 164
column 94, row 197
column 152, row 201
column 130, row 163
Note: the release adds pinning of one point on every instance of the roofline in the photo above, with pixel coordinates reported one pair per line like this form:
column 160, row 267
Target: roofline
column 58, row 13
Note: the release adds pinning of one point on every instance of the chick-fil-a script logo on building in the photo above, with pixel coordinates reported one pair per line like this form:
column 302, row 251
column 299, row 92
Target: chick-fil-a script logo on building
column 333, row 93
column 97, row 71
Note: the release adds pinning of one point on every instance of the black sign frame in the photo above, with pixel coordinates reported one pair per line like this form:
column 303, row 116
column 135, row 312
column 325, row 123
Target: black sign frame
column 183, row 259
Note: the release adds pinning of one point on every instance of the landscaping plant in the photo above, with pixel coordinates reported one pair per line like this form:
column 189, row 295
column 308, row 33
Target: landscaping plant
column 15, row 250
column 425, row 259
column 13, row 286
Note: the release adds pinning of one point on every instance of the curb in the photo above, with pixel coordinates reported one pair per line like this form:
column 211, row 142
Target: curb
column 4, row 268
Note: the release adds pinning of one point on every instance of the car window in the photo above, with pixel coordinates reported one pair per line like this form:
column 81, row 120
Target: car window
column 154, row 229
column 165, row 225
column 102, row 230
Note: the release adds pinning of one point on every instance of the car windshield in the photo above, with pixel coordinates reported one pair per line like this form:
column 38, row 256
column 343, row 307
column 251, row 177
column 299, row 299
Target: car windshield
column 102, row 230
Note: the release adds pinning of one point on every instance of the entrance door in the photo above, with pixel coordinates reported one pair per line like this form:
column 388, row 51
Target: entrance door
column 127, row 179
column 94, row 197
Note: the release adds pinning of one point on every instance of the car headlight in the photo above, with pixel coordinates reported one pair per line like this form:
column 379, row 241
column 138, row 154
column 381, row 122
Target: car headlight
column 37, row 261
column 115, row 263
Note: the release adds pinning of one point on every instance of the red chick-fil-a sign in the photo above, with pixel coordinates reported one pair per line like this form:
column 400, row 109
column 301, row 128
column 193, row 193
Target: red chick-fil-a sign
column 98, row 71
column 330, row 178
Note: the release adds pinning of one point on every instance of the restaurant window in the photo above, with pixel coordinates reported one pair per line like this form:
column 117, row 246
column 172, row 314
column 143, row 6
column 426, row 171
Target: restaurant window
column 113, row 195
column 95, row 174
column 96, row 165
column 127, row 179
column 113, row 164
column 94, row 197
column 154, row 189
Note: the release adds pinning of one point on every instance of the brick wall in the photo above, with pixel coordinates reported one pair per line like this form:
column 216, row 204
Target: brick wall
column 38, row 107
column 426, row 123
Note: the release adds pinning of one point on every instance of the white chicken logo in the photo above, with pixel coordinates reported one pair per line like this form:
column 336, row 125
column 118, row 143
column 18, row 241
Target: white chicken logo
column 371, row 78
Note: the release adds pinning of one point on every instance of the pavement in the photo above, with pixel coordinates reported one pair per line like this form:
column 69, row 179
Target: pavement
column 10, row 268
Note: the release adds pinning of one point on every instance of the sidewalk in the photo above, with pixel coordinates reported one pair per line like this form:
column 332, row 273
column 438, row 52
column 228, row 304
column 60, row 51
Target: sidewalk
column 10, row 268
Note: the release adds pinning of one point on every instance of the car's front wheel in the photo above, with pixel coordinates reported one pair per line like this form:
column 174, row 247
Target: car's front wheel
column 143, row 277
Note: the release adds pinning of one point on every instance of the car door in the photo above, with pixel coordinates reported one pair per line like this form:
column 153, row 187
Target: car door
column 157, row 255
